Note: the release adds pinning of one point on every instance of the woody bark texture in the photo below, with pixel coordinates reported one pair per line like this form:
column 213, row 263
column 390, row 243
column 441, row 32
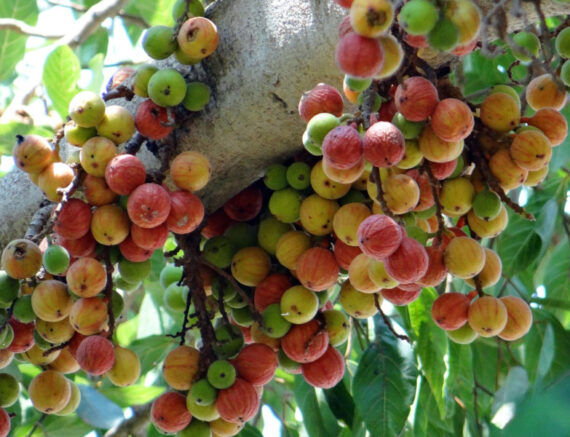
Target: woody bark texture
column 269, row 53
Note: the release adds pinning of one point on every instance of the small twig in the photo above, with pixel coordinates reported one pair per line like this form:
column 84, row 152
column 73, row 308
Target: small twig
column 120, row 91
column 173, row 252
column 134, row 144
column 375, row 177
column 37, row 424
column 476, row 404
column 434, row 184
column 483, row 389
column 23, row 28
column 57, row 347
column 39, row 221
column 239, row 289
column 387, row 321
column 478, row 285
column 360, row 334
column 108, row 291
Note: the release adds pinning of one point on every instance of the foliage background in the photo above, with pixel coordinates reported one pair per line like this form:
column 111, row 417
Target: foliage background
column 434, row 387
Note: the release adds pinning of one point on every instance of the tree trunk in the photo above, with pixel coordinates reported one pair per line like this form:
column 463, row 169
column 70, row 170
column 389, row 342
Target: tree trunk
column 269, row 53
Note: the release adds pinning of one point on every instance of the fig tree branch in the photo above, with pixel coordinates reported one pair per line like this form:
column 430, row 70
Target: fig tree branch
column 387, row 321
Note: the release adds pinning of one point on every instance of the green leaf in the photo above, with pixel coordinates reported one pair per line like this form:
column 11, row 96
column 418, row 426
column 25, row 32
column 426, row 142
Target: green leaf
column 427, row 420
column 512, row 390
column 518, row 245
column 313, row 412
column 431, row 344
column 152, row 350
column 96, row 410
column 556, row 278
column 95, row 44
column 126, row 332
column 96, row 68
column 250, row 431
column 385, row 383
column 459, row 380
column 65, row 426
column 340, row 402
column 12, row 44
column 126, row 397
column 540, row 346
column 60, row 76
column 154, row 12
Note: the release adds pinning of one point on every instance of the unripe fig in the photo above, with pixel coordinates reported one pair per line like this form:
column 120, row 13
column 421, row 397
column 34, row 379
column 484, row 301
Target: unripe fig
column 463, row 335
column 456, row 196
column 197, row 96
column 194, row 8
column 49, row 391
column 319, row 126
column 86, row 109
column 325, row 186
column 86, row 277
column 203, row 393
column 135, row 272
column 95, row 154
column 73, row 402
column 535, row 177
column 221, row 374
column 316, row 214
column 526, row 46
column 198, row 37
column 464, row 257
column 167, row 87
column 65, row 363
column 519, row 318
column 290, row 246
column 299, row 304
column 357, row 304
column 378, row 275
column 206, row 413
column 157, row 42
column 486, row 205
column 32, row 153
column 36, row 356
column 466, row 16
column 410, row 129
column 190, row 171
column 418, row 17
column 9, row 390
column 487, row 316
column 347, row 221
column 276, row 177
column 250, row 266
column 359, row 56
column 444, row 36
column 491, row 272
column 117, row 125
column 169, row 412
column 55, row 332
column 273, row 323
column 142, row 76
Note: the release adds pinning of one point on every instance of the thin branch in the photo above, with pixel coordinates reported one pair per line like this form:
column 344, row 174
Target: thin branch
column 122, row 14
column 434, row 184
column 387, row 321
column 37, row 424
column 25, row 29
column 375, row 177
column 108, row 291
column 239, row 289
column 91, row 21
column 118, row 92
column 57, row 347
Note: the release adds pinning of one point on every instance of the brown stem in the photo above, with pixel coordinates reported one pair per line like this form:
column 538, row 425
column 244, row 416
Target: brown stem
column 239, row 289
column 134, row 144
column 119, row 92
column 375, row 177
column 38, row 223
column 57, row 347
column 434, row 184
column 387, row 321
column 108, row 291
column 478, row 285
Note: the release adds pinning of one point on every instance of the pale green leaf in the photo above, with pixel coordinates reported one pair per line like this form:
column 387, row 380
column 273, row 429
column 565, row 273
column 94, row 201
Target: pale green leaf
column 60, row 76
column 12, row 44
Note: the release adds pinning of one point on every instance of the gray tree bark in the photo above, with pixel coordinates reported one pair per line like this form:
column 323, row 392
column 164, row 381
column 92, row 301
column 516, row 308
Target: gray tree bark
column 270, row 51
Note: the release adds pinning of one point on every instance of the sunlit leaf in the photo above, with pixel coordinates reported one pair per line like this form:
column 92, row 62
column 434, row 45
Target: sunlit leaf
column 60, row 76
